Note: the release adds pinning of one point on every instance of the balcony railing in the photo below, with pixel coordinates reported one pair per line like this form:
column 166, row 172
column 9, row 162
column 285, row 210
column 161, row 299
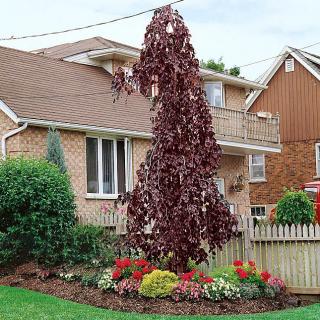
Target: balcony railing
column 245, row 126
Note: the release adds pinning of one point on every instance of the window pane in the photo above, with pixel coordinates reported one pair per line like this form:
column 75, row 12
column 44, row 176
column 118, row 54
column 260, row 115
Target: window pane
column 311, row 193
column 214, row 93
column 121, row 167
column 258, row 211
column 108, row 166
column 92, row 165
column 257, row 171
column 257, row 159
column 217, row 94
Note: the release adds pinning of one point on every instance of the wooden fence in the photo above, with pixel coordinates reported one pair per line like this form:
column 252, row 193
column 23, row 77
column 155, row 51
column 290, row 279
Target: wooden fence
column 291, row 253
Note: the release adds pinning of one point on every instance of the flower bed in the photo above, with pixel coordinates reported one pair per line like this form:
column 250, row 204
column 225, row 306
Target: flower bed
column 163, row 292
column 139, row 277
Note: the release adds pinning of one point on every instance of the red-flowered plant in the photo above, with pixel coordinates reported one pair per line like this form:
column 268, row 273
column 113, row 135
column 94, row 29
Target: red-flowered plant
column 265, row 276
column 196, row 276
column 176, row 182
column 127, row 268
column 248, row 273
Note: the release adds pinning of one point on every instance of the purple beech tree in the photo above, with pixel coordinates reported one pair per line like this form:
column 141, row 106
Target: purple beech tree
column 175, row 190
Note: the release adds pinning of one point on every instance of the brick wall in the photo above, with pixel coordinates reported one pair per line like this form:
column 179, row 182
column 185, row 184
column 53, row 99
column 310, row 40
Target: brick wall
column 231, row 166
column 235, row 97
column 295, row 165
column 6, row 124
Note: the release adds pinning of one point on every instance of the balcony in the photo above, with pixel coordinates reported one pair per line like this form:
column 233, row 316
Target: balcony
column 242, row 132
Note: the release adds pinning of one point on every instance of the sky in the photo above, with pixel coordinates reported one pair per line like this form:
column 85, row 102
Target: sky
column 240, row 31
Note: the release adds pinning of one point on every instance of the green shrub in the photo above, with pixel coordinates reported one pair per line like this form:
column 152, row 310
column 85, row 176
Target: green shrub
column 55, row 152
column 36, row 209
column 294, row 208
column 91, row 279
column 90, row 244
column 158, row 284
column 250, row 291
column 227, row 272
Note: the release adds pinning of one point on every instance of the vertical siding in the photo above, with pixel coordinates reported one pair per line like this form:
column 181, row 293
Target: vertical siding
column 296, row 96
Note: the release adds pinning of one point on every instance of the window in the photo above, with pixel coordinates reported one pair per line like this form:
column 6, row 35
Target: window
column 220, row 184
column 318, row 159
column 108, row 166
column 257, row 167
column 258, row 211
column 289, row 65
column 311, row 193
column 214, row 93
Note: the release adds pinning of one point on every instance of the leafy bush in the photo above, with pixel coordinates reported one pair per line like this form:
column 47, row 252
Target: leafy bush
column 187, row 291
column 294, row 208
column 158, row 284
column 36, row 209
column 229, row 271
column 221, row 289
column 90, row 244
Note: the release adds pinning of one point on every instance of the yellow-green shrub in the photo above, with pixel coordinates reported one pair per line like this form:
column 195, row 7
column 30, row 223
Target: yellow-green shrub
column 158, row 284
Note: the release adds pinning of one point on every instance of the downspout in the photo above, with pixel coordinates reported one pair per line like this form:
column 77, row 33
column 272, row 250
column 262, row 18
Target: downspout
column 8, row 135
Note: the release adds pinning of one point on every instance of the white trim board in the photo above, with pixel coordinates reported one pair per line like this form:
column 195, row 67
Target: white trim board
column 8, row 111
column 286, row 51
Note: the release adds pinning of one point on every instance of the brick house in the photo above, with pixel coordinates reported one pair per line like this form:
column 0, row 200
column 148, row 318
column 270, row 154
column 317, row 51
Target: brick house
column 68, row 86
column 294, row 92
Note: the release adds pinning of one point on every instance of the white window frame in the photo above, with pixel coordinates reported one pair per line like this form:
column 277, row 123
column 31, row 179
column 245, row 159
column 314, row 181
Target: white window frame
column 259, row 206
column 128, row 167
column 222, row 92
column 317, row 147
column 221, row 180
column 257, row 179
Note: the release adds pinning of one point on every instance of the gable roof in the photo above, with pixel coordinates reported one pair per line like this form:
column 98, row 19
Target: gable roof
column 310, row 61
column 38, row 89
column 94, row 48
column 65, row 50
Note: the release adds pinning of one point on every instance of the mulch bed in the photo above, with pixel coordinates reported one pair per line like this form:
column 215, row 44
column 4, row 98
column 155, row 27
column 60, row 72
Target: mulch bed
column 24, row 277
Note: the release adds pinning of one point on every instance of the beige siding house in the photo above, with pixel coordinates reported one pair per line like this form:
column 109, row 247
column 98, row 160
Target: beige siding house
column 68, row 86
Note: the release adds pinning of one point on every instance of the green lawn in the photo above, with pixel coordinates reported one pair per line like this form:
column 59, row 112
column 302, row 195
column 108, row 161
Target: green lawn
column 23, row 304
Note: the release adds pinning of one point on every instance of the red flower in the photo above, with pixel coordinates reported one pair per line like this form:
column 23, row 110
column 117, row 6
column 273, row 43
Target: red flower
column 187, row 276
column 201, row 274
column 265, row 276
column 126, row 262
column 241, row 273
column 152, row 268
column 116, row 274
column 145, row 270
column 137, row 275
column 119, row 263
column 238, row 263
column 251, row 263
column 141, row 263
column 206, row 280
